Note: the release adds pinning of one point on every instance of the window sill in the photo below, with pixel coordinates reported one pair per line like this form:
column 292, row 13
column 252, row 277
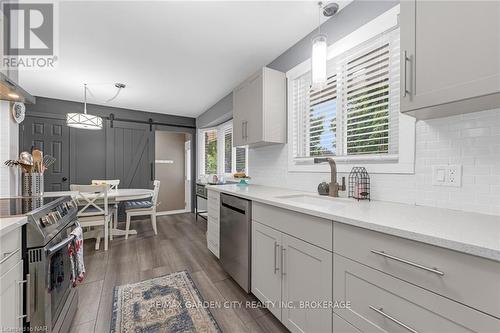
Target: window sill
column 373, row 164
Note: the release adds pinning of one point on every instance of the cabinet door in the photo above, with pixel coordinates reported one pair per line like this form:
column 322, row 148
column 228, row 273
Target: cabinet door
column 266, row 268
column 307, row 277
column 238, row 119
column 11, row 298
column 247, row 111
column 453, row 51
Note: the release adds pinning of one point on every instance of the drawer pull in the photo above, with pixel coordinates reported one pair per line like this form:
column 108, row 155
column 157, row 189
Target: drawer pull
column 432, row 270
column 7, row 255
column 382, row 313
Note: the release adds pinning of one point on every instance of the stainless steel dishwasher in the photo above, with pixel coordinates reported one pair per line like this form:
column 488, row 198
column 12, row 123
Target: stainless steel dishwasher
column 235, row 238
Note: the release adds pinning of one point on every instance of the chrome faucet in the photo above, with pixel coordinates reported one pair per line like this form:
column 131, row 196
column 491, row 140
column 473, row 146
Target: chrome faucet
column 334, row 186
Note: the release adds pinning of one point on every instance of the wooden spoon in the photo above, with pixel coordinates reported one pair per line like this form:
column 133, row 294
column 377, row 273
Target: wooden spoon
column 37, row 160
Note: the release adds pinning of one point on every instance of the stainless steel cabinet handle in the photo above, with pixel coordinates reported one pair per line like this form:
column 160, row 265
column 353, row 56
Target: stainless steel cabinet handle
column 243, row 130
column 405, row 87
column 382, row 313
column 276, row 246
column 283, row 273
column 7, row 255
column 404, row 261
column 20, row 300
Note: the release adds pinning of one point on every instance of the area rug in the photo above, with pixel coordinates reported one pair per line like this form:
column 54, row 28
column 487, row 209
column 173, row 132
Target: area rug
column 169, row 303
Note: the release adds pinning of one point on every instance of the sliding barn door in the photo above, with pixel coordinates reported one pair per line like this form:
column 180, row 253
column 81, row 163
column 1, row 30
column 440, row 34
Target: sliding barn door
column 51, row 136
column 130, row 154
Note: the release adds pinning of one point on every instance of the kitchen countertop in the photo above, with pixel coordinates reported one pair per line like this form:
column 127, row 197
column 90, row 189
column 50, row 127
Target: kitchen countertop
column 7, row 224
column 471, row 233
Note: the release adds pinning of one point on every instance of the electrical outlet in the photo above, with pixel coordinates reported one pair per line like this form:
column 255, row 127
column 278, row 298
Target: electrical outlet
column 447, row 175
column 455, row 175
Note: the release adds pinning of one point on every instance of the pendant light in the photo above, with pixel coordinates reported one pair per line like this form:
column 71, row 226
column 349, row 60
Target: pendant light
column 84, row 120
column 319, row 49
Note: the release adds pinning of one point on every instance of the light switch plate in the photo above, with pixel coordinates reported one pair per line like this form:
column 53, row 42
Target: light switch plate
column 447, row 175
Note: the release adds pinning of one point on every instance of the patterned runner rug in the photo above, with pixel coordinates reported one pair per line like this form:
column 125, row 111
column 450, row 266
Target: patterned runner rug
column 169, row 303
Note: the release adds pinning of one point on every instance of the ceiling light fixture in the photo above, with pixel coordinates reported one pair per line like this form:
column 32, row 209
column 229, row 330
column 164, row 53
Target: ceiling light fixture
column 84, row 120
column 319, row 49
column 13, row 95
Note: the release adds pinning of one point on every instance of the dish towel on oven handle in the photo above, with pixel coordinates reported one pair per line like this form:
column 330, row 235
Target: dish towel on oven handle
column 75, row 249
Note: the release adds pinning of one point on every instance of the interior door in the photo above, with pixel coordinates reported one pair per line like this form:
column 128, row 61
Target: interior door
column 307, row 278
column 52, row 137
column 130, row 154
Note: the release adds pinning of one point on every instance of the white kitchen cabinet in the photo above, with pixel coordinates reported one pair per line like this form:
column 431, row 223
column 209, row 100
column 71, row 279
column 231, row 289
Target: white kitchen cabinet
column 307, row 277
column 292, row 277
column 259, row 109
column 266, row 262
column 213, row 222
column 11, row 298
column 379, row 302
column 450, row 57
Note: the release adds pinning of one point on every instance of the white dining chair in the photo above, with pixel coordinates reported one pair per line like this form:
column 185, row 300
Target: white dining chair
column 93, row 211
column 144, row 207
column 113, row 185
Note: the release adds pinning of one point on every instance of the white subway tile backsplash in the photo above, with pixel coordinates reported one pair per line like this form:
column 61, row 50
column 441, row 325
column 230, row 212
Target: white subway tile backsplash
column 471, row 140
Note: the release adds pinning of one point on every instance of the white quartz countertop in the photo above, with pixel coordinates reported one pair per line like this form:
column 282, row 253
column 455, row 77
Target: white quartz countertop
column 7, row 224
column 472, row 233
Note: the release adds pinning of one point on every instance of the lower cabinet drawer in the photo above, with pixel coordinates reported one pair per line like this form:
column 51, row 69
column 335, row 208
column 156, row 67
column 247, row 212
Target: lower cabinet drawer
column 448, row 273
column 382, row 303
column 341, row 326
column 10, row 250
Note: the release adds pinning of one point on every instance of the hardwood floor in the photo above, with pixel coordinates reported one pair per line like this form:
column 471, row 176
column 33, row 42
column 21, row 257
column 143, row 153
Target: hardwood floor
column 179, row 245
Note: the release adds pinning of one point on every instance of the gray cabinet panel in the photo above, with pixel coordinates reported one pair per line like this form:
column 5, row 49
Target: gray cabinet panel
column 266, row 263
column 307, row 286
column 382, row 303
column 452, row 54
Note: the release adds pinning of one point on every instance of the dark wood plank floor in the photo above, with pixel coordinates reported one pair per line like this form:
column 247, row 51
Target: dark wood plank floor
column 179, row 245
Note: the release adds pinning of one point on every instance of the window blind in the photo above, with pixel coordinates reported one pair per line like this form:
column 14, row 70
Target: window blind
column 228, row 150
column 241, row 159
column 357, row 111
column 210, row 151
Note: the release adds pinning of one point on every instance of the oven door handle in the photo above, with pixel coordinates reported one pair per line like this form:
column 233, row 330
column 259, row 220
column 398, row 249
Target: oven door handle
column 60, row 245
column 65, row 242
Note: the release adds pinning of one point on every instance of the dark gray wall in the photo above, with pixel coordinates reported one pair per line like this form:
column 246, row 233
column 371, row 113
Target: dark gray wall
column 88, row 148
column 353, row 16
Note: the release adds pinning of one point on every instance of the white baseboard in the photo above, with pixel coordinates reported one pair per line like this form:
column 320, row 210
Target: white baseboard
column 172, row 212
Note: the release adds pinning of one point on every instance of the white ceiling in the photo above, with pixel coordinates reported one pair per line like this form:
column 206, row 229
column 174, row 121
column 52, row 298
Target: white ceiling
column 175, row 57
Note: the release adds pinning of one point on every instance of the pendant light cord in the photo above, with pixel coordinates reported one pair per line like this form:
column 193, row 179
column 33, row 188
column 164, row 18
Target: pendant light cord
column 320, row 4
column 107, row 100
column 85, row 98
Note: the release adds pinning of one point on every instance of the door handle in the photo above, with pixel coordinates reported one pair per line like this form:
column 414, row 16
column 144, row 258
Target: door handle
column 28, row 291
column 64, row 179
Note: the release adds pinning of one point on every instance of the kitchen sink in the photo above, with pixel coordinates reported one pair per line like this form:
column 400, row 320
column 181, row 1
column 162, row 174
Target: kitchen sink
column 323, row 202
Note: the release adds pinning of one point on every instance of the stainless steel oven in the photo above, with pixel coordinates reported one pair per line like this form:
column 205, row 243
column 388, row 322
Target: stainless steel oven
column 51, row 300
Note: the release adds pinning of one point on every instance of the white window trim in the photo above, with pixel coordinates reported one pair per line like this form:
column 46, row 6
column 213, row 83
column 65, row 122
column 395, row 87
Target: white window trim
column 404, row 161
column 220, row 151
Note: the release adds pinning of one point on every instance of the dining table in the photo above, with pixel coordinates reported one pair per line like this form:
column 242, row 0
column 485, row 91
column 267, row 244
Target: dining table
column 114, row 196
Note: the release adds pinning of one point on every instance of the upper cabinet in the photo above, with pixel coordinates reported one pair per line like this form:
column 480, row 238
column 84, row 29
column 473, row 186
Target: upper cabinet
column 259, row 109
column 450, row 57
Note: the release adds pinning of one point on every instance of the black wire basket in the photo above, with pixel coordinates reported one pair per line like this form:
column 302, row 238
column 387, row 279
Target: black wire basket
column 359, row 184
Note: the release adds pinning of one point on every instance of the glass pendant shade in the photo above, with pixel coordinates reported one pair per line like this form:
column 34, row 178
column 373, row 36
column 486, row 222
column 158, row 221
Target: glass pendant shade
column 318, row 62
